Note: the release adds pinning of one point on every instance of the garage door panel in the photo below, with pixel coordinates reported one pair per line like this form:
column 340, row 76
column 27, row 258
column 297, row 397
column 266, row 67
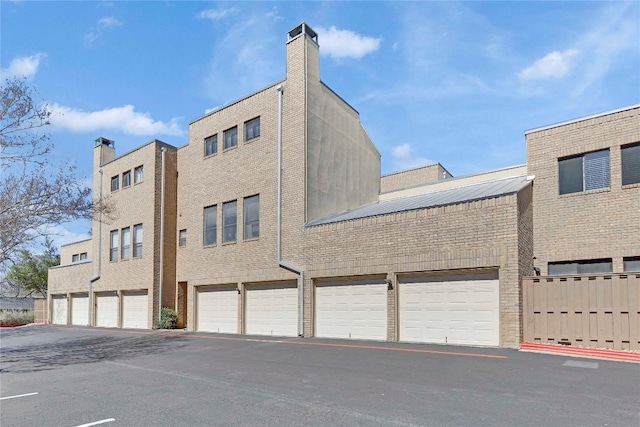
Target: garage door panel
column 80, row 310
column 107, row 310
column 356, row 310
column 217, row 310
column 135, row 310
column 272, row 309
column 454, row 310
column 60, row 307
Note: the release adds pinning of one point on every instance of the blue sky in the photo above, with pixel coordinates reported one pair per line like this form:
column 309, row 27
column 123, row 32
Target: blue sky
column 456, row 83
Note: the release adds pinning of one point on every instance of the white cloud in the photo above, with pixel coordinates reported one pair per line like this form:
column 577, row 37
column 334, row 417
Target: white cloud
column 404, row 157
column 103, row 24
column 121, row 119
column 215, row 14
column 23, row 66
column 552, row 66
column 61, row 235
column 340, row 44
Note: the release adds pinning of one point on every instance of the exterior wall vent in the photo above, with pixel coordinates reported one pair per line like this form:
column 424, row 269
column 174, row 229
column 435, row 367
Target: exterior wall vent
column 302, row 29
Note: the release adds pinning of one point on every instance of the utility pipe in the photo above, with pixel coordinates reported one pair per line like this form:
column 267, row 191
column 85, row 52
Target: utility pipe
column 281, row 263
column 97, row 276
column 163, row 151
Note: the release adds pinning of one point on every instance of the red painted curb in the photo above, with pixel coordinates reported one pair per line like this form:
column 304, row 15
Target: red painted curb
column 594, row 353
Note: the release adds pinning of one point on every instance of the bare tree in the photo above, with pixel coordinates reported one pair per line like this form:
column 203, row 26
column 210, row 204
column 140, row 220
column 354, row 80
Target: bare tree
column 34, row 193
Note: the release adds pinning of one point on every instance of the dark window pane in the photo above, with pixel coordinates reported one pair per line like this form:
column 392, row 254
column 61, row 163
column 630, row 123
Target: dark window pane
column 631, row 164
column 252, row 217
column 562, row 268
column 211, row 145
column 594, row 267
column 596, row 170
column 631, row 263
column 210, row 225
column 229, row 221
column 570, row 175
column 231, row 137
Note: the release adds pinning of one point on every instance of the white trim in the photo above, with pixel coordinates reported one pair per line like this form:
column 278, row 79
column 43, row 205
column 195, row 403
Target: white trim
column 580, row 119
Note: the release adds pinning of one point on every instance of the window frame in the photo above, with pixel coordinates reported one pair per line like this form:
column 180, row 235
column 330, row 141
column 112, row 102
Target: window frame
column 126, row 179
column 580, row 265
column 75, row 257
column 182, row 238
column 228, row 208
column 83, row 256
column 628, row 262
column 588, row 170
column 137, row 245
column 213, row 139
column 246, row 217
column 125, row 249
column 250, row 125
column 114, row 244
column 233, row 133
column 631, row 179
column 211, row 230
column 138, row 174
column 115, row 183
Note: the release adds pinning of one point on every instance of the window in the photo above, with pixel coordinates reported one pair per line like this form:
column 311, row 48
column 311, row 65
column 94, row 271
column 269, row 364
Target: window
column 231, row 137
column 126, row 179
column 229, row 221
column 113, row 254
column 83, row 256
column 630, row 163
column 631, row 263
column 137, row 240
column 115, row 183
column 138, row 174
column 252, row 129
column 252, row 217
column 586, row 172
column 591, row 266
column 75, row 258
column 126, row 243
column 210, row 225
column 211, row 145
column 182, row 238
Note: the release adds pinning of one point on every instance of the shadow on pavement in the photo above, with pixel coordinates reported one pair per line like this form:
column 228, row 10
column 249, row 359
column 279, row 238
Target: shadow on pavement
column 79, row 350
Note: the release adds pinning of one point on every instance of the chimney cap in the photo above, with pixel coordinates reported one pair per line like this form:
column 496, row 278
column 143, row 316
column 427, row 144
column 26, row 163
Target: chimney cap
column 303, row 28
column 104, row 141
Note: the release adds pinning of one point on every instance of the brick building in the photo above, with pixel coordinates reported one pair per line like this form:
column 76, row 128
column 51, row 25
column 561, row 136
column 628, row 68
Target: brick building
column 274, row 220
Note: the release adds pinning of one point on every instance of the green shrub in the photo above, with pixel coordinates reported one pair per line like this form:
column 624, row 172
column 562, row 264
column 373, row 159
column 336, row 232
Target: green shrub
column 168, row 319
column 12, row 318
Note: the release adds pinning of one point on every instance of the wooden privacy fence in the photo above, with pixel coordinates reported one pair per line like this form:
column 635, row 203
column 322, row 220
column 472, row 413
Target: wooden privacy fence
column 598, row 311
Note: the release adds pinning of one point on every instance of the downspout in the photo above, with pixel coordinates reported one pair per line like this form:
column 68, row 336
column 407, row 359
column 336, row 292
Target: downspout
column 281, row 263
column 97, row 276
column 163, row 151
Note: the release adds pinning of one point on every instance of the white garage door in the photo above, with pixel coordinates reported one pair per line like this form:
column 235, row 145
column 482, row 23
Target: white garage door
column 135, row 310
column 80, row 310
column 59, row 310
column 356, row 309
column 107, row 310
column 272, row 309
column 217, row 310
column 450, row 310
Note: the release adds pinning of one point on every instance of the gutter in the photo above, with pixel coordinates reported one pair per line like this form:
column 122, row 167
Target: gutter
column 163, row 152
column 281, row 263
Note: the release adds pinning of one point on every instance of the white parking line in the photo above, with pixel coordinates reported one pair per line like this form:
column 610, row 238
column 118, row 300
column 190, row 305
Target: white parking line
column 95, row 423
column 18, row 395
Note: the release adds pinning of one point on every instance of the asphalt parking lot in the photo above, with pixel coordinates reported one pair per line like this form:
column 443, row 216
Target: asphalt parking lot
column 63, row 376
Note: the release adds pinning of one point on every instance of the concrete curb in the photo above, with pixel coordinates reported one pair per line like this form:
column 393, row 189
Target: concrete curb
column 591, row 353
